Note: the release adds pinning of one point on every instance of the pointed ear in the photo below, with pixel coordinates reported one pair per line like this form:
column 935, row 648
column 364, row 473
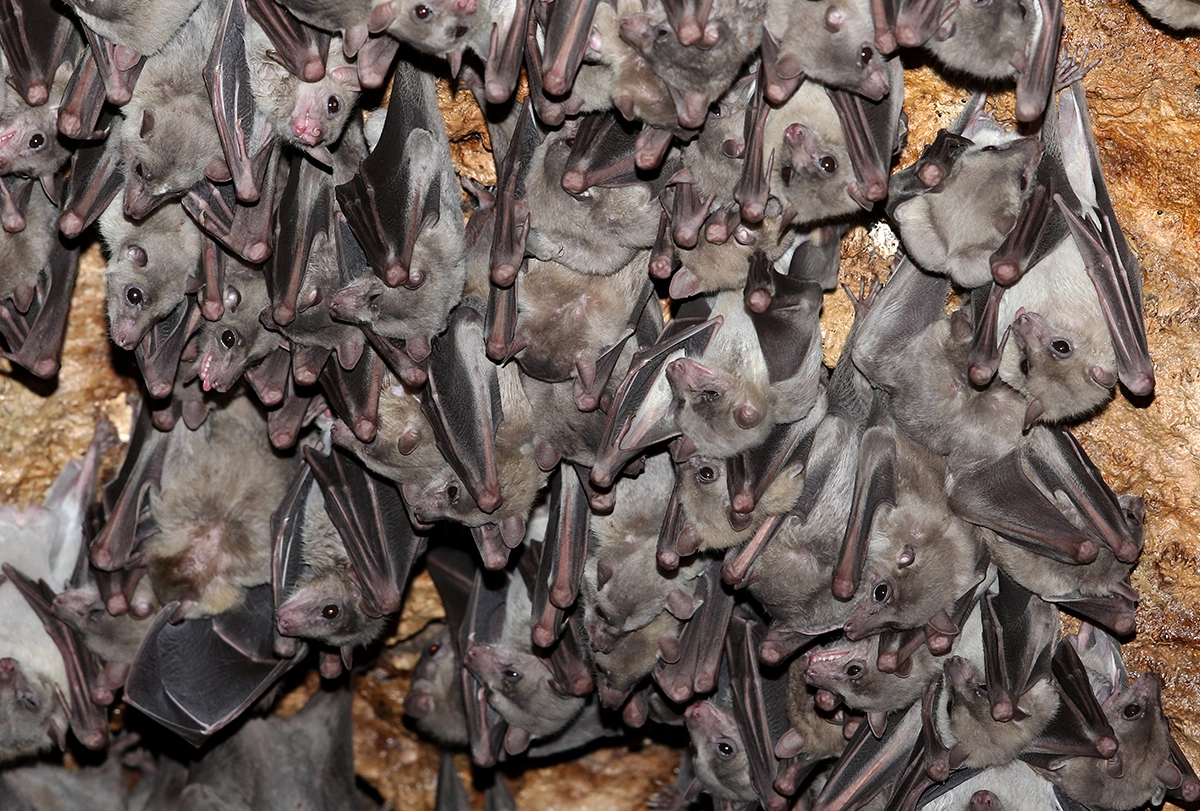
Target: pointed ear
column 147, row 124
column 604, row 573
column 1033, row 413
column 907, row 556
column 347, row 77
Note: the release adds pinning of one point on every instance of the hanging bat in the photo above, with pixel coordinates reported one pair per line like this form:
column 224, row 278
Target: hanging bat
column 237, row 340
column 139, row 28
column 46, row 672
column 36, row 40
column 30, row 145
column 849, row 672
column 828, row 42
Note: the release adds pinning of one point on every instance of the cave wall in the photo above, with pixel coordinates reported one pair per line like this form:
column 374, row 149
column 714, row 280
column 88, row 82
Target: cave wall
column 1144, row 99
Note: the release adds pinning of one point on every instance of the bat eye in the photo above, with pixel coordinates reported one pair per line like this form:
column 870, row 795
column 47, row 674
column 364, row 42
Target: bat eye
column 706, row 474
column 865, row 55
column 432, row 649
column 990, row 148
column 460, row 32
column 510, row 676
column 333, row 105
column 37, row 141
column 710, row 395
column 1025, row 366
column 28, row 701
column 854, row 671
column 725, row 750
column 601, row 613
column 135, row 296
column 785, row 174
column 881, row 593
column 1060, row 347
column 423, row 12
column 662, row 32
column 828, row 164
column 1132, row 711
column 228, row 339
column 330, row 612
column 452, row 493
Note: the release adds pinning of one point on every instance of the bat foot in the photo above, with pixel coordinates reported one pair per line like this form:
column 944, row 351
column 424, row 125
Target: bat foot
column 1107, row 746
column 980, row 374
column 1006, row 274
column 1002, row 710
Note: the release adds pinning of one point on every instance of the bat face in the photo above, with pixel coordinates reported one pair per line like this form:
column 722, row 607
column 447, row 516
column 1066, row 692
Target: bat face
column 435, row 699
column 718, row 409
column 29, row 140
column 27, row 710
column 704, row 494
column 832, row 42
column 165, row 150
column 721, row 761
column 325, row 607
column 237, row 339
column 986, row 35
column 518, row 686
column 432, row 26
column 849, row 669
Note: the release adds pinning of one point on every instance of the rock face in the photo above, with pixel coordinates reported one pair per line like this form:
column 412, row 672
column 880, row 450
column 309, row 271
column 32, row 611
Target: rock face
column 1144, row 100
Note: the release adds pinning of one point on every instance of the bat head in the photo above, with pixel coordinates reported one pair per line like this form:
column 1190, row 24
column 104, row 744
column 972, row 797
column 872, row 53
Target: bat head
column 813, row 170
column 165, row 150
column 143, row 285
column 237, row 339
column 432, row 26
column 631, row 658
column 435, row 699
column 720, row 410
column 990, row 742
column 29, row 140
column 28, row 711
column 1065, row 362
column 842, row 667
column 704, row 494
column 326, row 608
column 839, row 48
column 919, row 552
column 721, row 762
column 519, row 688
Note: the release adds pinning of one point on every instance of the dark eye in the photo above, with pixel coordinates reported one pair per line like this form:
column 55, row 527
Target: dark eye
column 432, row 649
column 990, row 148
column 709, row 395
column 510, row 676
column 333, row 105
column 330, row 612
column 854, row 671
column 661, row 33
column 865, row 55
column 1025, row 366
column 452, row 493
column 28, row 701
column 881, row 593
column 1132, row 710
column 135, row 296
column 828, row 164
column 1061, row 347
column 423, row 12
column 461, row 32
column 228, row 339
column 785, row 174
column 37, row 141
column 725, row 750
column 706, row 474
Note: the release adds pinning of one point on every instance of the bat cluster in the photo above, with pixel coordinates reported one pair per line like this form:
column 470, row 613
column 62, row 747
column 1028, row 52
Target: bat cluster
column 845, row 583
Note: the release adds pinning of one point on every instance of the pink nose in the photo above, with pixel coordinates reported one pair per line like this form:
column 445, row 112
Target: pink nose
column 307, row 130
column 465, row 6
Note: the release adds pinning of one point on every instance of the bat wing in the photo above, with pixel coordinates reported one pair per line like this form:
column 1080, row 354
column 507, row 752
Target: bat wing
column 483, row 623
column 462, row 403
column 754, row 185
column 872, row 130
column 697, row 668
column 752, row 472
column 82, row 107
column 505, row 57
column 119, row 67
column 397, row 191
column 563, row 555
column 567, row 32
column 269, row 377
column 1079, row 728
column 929, row 763
column 295, row 410
column 874, row 485
column 819, row 257
column 287, row 528
column 305, row 210
column 158, row 353
column 88, row 721
column 640, row 415
column 915, row 22
column 870, row 764
column 1036, row 79
column 511, row 227
column 198, row 676
column 761, row 721
column 787, row 327
column 298, row 47
column 244, row 228
column 451, row 793
column 93, row 184
column 1019, row 634
column 227, row 76
column 36, row 39
column 354, row 395
column 453, row 573
column 936, row 161
column 370, row 515
column 34, row 338
column 602, row 154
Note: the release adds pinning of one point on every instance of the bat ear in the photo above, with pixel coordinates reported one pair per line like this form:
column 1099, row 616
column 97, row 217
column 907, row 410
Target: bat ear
column 347, row 76
column 147, row 124
column 137, row 255
column 834, row 19
column 1104, row 377
column 907, row 556
column 604, row 573
column 232, row 297
column 1033, row 413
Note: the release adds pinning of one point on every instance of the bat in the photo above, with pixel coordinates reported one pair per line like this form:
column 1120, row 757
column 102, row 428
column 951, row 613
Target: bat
column 30, row 145
column 436, row 27
column 167, row 136
column 151, row 267
column 141, row 28
column 307, row 114
column 849, row 673
column 36, row 41
column 1180, row 15
column 243, row 768
column 722, row 758
column 402, row 205
column 46, row 673
column 228, row 345
column 828, row 42
column 699, row 71
column 300, row 48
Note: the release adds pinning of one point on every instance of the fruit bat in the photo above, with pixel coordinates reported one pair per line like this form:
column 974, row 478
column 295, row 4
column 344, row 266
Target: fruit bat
column 982, row 433
column 828, row 42
column 236, row 340
column 849, row 672
column 149, row 268
column 167, row 136
column 140, row 28
column 46, row 672
column 314, row 744
column 36, row 40
column 1180, row 15
column 439, row 26
column 29, row 141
